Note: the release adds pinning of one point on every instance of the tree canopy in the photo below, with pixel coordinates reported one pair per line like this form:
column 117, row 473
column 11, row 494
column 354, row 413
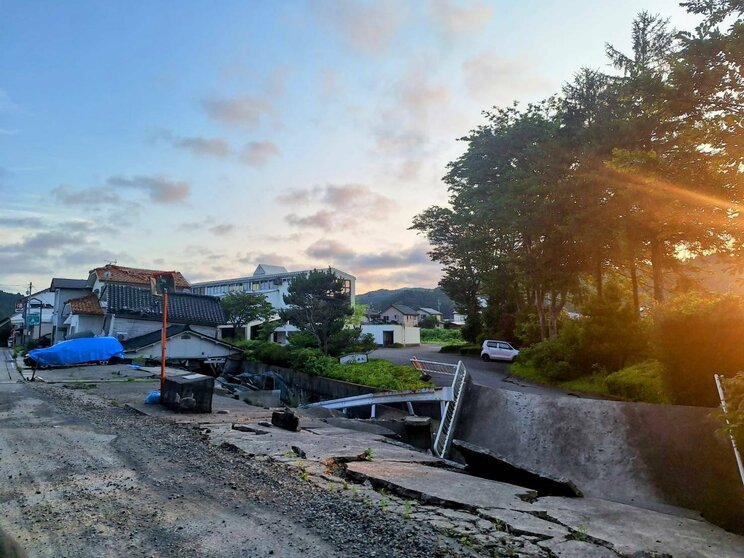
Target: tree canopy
column 615, row 177
column 318, row 304
column 242, row 308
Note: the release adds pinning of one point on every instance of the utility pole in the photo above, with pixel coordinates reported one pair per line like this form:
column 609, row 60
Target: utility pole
column 25, row 312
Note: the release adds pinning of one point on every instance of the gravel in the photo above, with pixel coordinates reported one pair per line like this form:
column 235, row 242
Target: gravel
column 94, row 479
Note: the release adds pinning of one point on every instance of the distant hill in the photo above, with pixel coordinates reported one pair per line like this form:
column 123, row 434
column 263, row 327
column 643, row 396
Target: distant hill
column 414, row 297
column 7, row 304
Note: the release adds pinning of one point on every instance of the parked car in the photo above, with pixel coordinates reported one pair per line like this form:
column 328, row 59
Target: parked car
column 498, row 350
column 77, row 351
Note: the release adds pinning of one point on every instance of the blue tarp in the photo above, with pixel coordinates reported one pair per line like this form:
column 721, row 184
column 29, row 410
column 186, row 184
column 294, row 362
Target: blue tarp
column 76, row 351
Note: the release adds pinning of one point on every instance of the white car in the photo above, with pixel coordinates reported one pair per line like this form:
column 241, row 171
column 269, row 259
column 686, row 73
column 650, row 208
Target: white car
column 498, row 350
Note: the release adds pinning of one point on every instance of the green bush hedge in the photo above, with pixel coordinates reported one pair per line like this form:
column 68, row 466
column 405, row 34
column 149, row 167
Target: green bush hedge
column 375, row 373
column 441, row 336
column 641, row 382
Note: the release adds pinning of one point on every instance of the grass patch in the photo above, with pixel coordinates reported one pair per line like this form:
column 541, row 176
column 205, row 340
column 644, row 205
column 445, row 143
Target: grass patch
column 440, row 336
column 378, row 373
column 640, row 382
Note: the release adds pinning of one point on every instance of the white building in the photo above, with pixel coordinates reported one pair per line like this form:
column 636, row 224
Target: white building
column 272, row 281
column 37, row 310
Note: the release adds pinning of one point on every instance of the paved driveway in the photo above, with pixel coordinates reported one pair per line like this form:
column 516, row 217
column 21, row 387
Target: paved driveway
column 490, row 374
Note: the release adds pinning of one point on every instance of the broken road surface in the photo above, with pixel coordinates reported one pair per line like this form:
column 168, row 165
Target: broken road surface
column 84, row 478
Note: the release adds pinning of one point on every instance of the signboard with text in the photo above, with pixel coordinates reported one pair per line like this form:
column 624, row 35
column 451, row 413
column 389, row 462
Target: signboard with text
column 33, row 319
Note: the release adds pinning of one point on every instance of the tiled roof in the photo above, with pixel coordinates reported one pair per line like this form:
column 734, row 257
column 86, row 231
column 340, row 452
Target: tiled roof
column 430, row 311
column 86, row 305
column 132, row 275
column 183, row 308
column 153, row 337
column 405, row 310
column 60, row 283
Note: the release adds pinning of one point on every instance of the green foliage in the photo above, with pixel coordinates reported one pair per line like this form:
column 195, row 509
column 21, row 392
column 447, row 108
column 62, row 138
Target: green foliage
column 641, row 382
column 441, row 336
column 375, row 373
column 7, row 303
column 378, row 373
column 473, row 327
column 696, row 336
column 461, row 348
column 429, row 322
column 318, row 305
column 734, row 393
column 552, row 358
column 242, row 308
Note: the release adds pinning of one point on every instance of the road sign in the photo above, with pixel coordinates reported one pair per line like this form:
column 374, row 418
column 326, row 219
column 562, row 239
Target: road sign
column 33, row 319
column 19, row 306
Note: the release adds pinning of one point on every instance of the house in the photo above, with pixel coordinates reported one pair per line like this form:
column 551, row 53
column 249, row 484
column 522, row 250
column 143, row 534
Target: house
column 183, row 343
column 400, row 314
column 35, row 318
column 64, row 290
column 390, row 333
column 272, row 281
column 125, row 311
column 121, row 275
column 429, row 313
column 397, row 325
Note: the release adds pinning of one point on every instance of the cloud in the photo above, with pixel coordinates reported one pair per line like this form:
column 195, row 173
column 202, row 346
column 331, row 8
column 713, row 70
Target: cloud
column 322, row 219
column 86, row 197
column 8, row 132
column 491, row 79
column 340, row 205
column 330, row 250
column 21, row 222
column 242, row 111
column 91, row 257
column 458, row 19
column 402, row 266
column 212, row 147
column 258, row 153
column 160, row 189
column 222, row 230
column 368, row 27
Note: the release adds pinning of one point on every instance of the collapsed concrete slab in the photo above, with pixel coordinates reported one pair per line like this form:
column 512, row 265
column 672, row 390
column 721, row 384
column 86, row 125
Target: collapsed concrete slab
column 483, row 462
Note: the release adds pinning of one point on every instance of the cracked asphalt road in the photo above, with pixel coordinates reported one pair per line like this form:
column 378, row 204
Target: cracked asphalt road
column 82, row 477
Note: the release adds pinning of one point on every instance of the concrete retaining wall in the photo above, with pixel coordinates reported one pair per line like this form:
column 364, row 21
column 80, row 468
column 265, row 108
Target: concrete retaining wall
column 636, row 453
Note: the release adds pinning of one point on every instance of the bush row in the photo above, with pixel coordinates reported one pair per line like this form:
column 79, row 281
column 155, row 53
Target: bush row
column 375, row 373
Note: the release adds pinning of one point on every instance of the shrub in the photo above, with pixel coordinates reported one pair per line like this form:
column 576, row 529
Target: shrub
column 696, row 336
column 439, row 335
column 551, row 358
column 379, row 373
column 311, row 361
column 470, row 350
column 641, row 382
column 455, row 348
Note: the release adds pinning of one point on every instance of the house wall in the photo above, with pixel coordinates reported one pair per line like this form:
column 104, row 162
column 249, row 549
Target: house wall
column 81, row 322
column 185, row 346
column 394, row 315
column 130, row 327
column 401, row 334
column 61, row 296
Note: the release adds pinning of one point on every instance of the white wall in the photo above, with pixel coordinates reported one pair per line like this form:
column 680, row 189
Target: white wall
column 401, row 334
column 185, row 346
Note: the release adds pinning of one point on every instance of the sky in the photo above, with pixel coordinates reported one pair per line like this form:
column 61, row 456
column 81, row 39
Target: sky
column 209, row 137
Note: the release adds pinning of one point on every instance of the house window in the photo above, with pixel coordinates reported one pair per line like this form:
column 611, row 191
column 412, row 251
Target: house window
column 347, row 287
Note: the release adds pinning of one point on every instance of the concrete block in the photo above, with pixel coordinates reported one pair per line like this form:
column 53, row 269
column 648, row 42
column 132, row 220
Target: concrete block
column 191, row 393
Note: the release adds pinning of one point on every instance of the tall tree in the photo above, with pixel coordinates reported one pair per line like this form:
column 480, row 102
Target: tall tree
column 243, row 308
column 318, row 304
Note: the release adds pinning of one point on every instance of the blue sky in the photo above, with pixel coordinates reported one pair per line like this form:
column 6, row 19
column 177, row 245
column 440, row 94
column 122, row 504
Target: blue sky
column 209, row 137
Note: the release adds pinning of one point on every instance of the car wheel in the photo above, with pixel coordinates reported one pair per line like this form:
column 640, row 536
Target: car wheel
column 485, row 357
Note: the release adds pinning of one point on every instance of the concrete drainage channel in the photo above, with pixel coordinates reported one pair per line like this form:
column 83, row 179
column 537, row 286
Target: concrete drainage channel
column 488, row 517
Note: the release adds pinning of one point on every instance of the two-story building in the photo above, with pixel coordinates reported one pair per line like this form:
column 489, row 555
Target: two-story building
column 64, row 290
column 271, row 281
column 396, row 325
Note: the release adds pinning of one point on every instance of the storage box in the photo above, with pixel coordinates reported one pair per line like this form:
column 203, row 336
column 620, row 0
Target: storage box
column 188, row 394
